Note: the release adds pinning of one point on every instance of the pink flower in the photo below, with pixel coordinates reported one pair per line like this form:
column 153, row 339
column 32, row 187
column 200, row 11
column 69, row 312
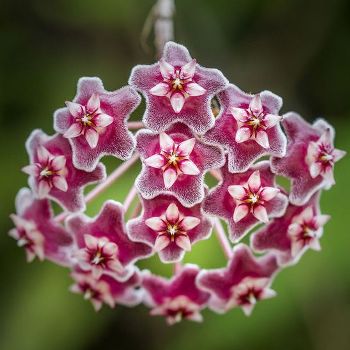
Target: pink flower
column 175, row 162
column 177, row 84
column 95, row 123
column 245, row 199
column 107, row 290
column 52, row 174
column 291, row 235
column 177, row 89
column 102, row 245
column 244, row 281
column 251, row 198
column 175, row 299
column 169, row 227
column 310, row 157
column 248, row 127
column 37, row 232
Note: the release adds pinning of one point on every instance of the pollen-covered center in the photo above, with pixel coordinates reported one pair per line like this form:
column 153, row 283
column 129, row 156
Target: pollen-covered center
column 46, row 172
column 172, row 230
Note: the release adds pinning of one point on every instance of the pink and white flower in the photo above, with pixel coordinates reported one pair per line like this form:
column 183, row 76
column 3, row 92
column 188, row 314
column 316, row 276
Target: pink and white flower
column 310, row 157
column 102, row 245
column 251, row 198
column 177, row 89
column 248, row 127
column 169, row 228
column 177, row 84
column 244, row 281
column 175, row 299
column 290, row 236
column 173, row 159
column 95, row 123
column 245, row 199
column 37, row 232
column 174, row 162
column 52, row 174
column 107, row 290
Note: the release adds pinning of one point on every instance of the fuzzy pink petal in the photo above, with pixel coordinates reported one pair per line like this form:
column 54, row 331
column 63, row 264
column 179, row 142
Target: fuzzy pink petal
column 156, row 224
column 75, row 109
column 242, row 135
column 269, row 192
column 73, row 131
column 103, row 120
column 60, row 182
column 177, row 101
column 183, row 242
column 161, row 242
column 194, row 89
column 315, row 169
column 338, row 154
column 166, row 142
column 240, row 212
column 155, row 161
column 271, row 120
column 236, row 191
column 254, row 181
column 43, row 154
column 169, row 177
column 58, row 163
column 166, row 69
column 172, row 212
column 262, row 139
column 160, row 89
column 260, row 213
column 189, row 168
column 186, row 147
column 92, row 137
column 239, row 114
column 255, row 105
column 189, row 222
column 31, row 169
column 188, row 70
column 43, row 189
column 93, row 103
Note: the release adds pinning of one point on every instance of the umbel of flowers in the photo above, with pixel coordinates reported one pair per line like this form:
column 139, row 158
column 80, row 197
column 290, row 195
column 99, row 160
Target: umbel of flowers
column 179, row 141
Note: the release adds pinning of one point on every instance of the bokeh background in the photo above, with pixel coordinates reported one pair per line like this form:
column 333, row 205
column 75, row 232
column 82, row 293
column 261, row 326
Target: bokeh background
column 298, row 48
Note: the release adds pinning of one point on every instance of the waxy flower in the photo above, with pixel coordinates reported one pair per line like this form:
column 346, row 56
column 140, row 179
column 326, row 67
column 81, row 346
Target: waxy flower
column 290, row 236
column 107, row 290
column 310, row 157
column 245, row 199
column 248, row 127
column 175, row 162
column 177, row 89
column 177, row 83
column 244, row 281
column 102, row 245
column 95, row 123
column 52, row 173
column 37, row 232
column 175, row 299
column 169, row 227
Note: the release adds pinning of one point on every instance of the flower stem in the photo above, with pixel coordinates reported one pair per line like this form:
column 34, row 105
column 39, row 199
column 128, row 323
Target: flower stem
column 130, row 197
column 177, row 267
column 135, row 125
column 222, row 238
column 104, row 185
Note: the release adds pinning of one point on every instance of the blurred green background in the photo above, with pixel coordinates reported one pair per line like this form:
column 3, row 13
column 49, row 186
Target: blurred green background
column 298, row 49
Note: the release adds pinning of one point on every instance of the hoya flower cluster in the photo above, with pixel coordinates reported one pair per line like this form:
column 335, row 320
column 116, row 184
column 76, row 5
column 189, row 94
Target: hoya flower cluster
column 245, row 148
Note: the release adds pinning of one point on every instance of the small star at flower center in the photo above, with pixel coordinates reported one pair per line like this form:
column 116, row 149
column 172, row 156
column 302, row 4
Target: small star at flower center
column 172, row 230
column 253, row 198
column 86, row 119
column 98, row 258
column 46, row 172
column 177, row 84
column 251, row 298
column 308, row 232
column 326, row 158
column 254, row 122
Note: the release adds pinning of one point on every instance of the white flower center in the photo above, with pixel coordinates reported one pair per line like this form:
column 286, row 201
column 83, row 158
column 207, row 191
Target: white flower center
column 172, row 230
column 46, row 172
